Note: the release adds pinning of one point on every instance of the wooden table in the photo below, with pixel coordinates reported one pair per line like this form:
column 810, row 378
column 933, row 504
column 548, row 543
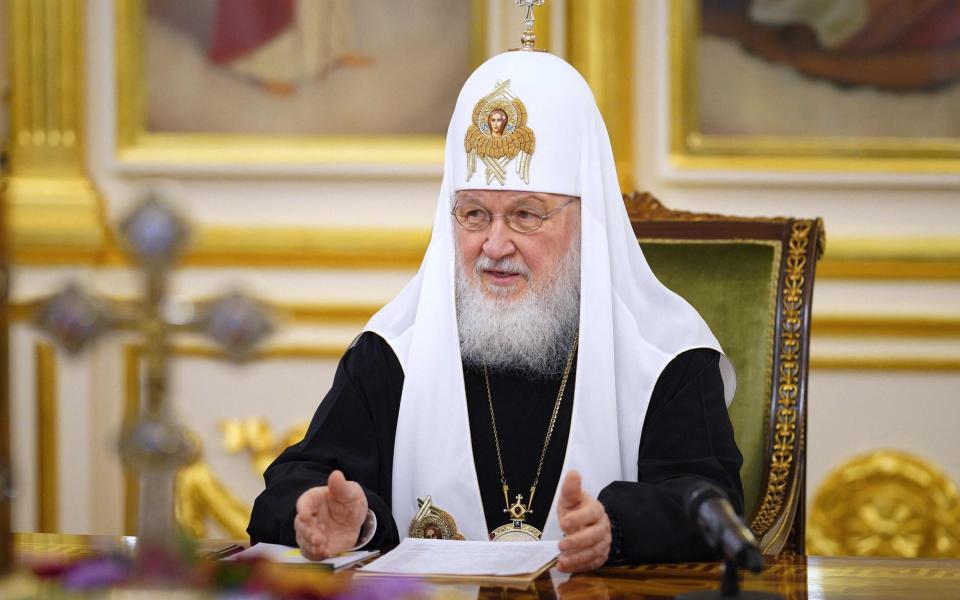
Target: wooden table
column 796, row 577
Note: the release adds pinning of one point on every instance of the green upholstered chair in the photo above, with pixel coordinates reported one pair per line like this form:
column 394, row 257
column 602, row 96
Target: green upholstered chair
column 752, row 280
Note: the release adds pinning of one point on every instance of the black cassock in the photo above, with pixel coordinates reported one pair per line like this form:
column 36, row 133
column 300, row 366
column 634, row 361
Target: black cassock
column 687, row 438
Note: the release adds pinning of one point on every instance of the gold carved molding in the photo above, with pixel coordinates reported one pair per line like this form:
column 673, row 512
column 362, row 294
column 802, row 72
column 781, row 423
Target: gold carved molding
column 881, row 325
column 913, row 325
column 788, row 434
column 600, row 46
column 59, row 239
column 852, row 362
column 54, row 212
column 886, row 503
column 47, row 440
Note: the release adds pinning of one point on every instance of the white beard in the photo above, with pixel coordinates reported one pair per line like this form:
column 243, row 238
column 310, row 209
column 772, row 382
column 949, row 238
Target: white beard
column 531, row 334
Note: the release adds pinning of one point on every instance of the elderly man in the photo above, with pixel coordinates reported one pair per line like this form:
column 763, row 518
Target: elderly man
column 534, row 380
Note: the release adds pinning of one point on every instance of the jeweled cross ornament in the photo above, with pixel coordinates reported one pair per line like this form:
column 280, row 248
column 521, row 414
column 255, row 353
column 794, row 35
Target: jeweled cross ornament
column 518, row 511
column 527, row 39
column 155, row 446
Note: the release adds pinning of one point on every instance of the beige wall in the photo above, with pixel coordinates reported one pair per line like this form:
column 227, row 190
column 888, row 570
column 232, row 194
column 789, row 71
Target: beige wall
column 852, row 409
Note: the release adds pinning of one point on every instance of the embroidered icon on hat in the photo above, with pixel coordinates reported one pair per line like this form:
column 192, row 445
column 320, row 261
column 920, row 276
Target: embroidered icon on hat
column 498, row 134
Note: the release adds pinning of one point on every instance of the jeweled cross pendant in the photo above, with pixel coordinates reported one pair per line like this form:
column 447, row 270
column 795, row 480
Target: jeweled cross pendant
column 518, row 511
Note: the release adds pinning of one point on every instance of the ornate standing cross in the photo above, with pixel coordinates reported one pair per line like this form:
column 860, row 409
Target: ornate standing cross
column 527, row 38
column 155, row 446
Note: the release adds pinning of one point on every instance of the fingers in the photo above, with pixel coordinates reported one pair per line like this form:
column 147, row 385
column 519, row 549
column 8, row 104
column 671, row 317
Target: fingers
column 308, row 525
column 582, row 516
column 329, row 517
column 348, row 503
column 586, row 545
column 343, row 491
column 311, row 537
column 596, row 534
column 570, row 491
column 586, row 550
column 336, row 482
column 587, row 559
column 311, row 501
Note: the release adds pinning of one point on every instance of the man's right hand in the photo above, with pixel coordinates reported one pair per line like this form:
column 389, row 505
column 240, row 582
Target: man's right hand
column 329, row 517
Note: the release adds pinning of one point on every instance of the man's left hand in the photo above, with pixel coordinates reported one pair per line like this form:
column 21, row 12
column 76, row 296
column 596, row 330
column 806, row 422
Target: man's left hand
column 586, row 528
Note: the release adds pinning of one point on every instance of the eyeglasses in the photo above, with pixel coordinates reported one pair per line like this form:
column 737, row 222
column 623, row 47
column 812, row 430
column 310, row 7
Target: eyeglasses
column 474, row 217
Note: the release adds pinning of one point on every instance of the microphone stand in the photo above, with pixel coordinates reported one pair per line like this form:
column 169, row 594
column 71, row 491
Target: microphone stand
column 724, row 531
column 730, row 588
column 730, row 581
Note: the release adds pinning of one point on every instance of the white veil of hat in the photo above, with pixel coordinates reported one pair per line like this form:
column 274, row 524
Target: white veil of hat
column 631, row 326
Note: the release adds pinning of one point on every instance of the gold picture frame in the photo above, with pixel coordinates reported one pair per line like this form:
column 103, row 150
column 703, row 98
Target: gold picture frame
column 138, row 146
column 690, row 148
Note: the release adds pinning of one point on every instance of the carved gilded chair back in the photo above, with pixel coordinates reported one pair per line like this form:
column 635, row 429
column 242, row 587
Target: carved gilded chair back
column 752, row 280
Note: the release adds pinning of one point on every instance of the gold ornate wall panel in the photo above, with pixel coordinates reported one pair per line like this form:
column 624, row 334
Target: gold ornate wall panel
column 55, row 213
column 58, row 217
column 886, row 503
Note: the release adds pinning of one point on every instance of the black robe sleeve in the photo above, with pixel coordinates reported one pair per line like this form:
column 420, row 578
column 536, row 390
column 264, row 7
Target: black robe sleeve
column 353, row 430
column 687, row 439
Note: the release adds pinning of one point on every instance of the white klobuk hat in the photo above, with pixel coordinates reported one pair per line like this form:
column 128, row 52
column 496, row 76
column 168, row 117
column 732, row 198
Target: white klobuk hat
column 527, row 120
column 535, row 150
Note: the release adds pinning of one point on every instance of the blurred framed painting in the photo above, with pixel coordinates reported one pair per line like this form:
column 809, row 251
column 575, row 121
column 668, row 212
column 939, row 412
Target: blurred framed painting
column 815, row 85
column 291, row 81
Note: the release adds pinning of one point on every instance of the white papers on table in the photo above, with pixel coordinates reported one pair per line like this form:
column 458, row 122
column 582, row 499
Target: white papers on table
column 291, row 555
column 464, row 559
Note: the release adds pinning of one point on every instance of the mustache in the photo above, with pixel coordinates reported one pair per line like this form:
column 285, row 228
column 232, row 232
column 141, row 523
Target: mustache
column 504, row 265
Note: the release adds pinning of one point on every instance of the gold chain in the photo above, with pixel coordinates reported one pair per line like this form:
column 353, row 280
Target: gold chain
column 546, row 441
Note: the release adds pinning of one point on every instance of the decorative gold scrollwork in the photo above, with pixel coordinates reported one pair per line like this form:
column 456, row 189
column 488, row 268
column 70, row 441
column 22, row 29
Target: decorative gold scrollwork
column 886, row 503
column 786, row 415
column 255, row 436
column 201, row 496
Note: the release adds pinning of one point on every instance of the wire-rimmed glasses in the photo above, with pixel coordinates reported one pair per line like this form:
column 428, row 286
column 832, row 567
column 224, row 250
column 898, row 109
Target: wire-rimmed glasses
column 474, row 217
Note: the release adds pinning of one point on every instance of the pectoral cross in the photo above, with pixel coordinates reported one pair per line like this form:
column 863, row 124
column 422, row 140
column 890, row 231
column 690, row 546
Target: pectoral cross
column 528, row 39
column 155, row 446
column 518, row 511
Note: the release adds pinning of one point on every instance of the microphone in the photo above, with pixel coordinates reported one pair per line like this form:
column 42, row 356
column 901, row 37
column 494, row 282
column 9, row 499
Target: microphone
column 722, row 528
